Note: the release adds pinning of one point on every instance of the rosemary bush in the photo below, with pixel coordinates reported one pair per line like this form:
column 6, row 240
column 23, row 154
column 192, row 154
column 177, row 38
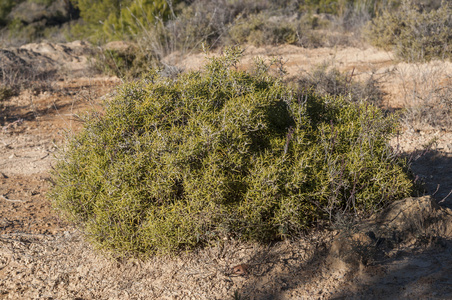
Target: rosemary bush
column 415, row 34
column 175, row 163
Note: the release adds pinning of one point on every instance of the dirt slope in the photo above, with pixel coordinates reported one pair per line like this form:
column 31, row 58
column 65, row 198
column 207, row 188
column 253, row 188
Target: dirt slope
column 403, row 254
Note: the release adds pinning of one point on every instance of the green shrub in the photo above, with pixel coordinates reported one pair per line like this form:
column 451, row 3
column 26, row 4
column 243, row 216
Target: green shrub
column 413, row 33
column 175, row 163
column 5, row 8
column 222, row 23
column 126, row 63
column 263, row 29
column 21, row 32
column 106, row 20
column 6, row 92
column 268, row 28
column 201, row 23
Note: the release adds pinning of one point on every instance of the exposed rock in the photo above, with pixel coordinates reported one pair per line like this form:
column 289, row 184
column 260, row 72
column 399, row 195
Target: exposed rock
column 34, row 60
column 8, row 57
column 17, row 65
column 71, row 56
column 119, row 46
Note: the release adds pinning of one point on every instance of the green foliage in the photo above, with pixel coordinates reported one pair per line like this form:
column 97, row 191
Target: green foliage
column 414, row 34
column 195, row 25
column 261, row 29
column 94, row 14
column 139, row 16
column 34, row 20
column 127, row 63
column 106, row 20
column 202, row 22
column 274, row 28
column 5, row 8
column 221, row 23
column 5, row 93
column 23, row 33
column 175, row 163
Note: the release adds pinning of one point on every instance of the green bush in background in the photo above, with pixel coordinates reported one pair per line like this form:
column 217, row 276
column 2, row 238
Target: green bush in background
column 5, row 8
column 175, row 163
column 414, row 33
column 262, row 29
column 106, row 20
column 140, row 15
column 126, row 64
column 179, row 25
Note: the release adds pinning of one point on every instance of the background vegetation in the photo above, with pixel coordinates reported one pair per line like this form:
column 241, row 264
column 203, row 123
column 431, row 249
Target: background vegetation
column 415, row 33
column 417, row 30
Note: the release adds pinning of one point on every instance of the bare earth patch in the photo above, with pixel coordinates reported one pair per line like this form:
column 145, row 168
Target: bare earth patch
column 404, row 253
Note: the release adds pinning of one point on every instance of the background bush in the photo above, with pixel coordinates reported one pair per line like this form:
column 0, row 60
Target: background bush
column 263, row 29
column 107, row 20
column 176, row 25
column 127, row 63
column 201, row 23
column 5, row 8
column 176, row 163
column 26, row 21
column 414, row 32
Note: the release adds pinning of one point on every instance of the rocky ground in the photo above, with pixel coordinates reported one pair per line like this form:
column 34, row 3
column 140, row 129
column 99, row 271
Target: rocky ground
column 403, row 253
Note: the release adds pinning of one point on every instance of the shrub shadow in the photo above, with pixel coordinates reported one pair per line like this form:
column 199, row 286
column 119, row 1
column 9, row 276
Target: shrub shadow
column 434, row 169
column 29, row 112
column 283, row 267
column 421, row 275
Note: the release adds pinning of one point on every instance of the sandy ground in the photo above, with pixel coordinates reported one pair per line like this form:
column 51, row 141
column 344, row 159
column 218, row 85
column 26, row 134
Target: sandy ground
column 43, row 257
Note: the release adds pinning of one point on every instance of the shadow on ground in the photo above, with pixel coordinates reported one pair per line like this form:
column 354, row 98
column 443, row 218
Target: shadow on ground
column 424, row 274
column 434, row 169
